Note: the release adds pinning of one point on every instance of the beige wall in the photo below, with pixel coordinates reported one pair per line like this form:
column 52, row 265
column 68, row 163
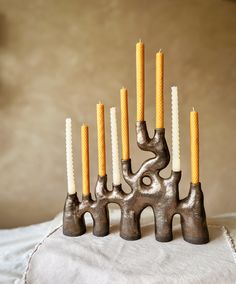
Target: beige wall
column 58, row 58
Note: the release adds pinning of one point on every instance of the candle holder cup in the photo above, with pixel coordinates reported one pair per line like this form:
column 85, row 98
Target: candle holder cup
column 148, row 188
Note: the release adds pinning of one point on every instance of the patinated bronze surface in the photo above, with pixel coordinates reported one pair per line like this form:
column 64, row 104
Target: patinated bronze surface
column 161, row 194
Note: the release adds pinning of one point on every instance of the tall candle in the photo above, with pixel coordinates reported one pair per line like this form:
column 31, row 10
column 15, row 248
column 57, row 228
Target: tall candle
column 140, row 80
column 85, row 159
column 159, row 90
column 175, row 131
column 101, row 140
column 115, row 148
column 194, row 136
column 124, row 123
column 69, row 158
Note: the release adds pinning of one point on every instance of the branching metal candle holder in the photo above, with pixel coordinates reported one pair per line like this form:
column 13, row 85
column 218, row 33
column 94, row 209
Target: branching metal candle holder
column 162, row 195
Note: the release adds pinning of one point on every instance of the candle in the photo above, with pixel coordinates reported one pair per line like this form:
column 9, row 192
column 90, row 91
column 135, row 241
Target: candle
column 140, row 80
column 101, row 140
column 159, row 90
column 194, row 135
column 175, row 131
column 115, row 148
column 124, row 123
column 85, row 159
column 69, row 158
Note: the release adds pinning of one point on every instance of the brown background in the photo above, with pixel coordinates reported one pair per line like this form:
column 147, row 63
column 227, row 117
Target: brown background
column 58, row 58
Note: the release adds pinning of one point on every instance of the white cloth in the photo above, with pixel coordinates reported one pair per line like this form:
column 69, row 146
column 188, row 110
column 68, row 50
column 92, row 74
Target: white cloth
column 17, row 244
column 88, row 259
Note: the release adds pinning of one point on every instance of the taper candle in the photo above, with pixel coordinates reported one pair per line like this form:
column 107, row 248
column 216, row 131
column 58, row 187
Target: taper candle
column 159, row 90
column 124, row 123
column 194, row 136
column 115, row 148
column 175, row 130
column 140, row 80
column 101, row 140
column 85, row 159
column 69, row 158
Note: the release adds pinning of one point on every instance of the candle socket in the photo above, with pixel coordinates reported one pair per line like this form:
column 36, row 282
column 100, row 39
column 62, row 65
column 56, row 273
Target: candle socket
column 73, row 225
column 161, row 194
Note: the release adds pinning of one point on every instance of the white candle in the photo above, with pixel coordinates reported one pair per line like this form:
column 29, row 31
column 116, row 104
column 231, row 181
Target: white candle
column 115, row 148
column 175, row 131
column 69, row 158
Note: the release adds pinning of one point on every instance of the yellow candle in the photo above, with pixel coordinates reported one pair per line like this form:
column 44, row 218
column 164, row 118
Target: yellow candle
column 101, row 140
column 85, row 159
column 124, row 123
column 140, row 80
column 194, row 136
column 159, row 90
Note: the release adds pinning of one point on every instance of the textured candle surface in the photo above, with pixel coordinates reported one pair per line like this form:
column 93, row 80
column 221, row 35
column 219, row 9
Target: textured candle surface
column 115, row 148
column 159, row 90
column 140, row 80
column 69, row 158
column 175, row 131
column 194, row 136
column 124, row 123
column 101, row 140
column 85, row 159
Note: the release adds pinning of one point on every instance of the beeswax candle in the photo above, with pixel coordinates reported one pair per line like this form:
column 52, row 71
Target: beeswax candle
column 124, row 123
column 140, row 80
column 85, row 159
column 175, row 131
column 115, row 148
column 159, row 90
column 194, row 136
column 101, row 140
column 69, row 158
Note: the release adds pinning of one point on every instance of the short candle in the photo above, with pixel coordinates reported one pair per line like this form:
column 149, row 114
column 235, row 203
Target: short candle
column 124, row 123
column 175, row 130
column 85, row 159
column 101, row 140
column 115, row 148
column 194, row 136
column 140, row 80
column 69, row 158
column 159, row 90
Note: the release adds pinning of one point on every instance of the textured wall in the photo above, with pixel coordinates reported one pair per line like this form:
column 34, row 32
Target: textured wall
column 58, row 58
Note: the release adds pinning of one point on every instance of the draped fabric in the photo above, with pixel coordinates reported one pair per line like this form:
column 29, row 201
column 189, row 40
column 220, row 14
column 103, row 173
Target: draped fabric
column 45, row 255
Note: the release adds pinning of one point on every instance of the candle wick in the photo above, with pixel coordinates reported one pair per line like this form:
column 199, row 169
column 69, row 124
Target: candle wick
column 193, row 109
column 159, row 50
column 140, row 40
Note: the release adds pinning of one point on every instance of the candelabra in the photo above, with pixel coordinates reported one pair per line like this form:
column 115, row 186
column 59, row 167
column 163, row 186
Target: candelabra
column 161, row 194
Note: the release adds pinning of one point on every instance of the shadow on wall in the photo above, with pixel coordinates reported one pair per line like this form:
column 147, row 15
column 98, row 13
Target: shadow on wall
column 8, row 89
column 233, row 1
column 3, row 31
column 3, row 43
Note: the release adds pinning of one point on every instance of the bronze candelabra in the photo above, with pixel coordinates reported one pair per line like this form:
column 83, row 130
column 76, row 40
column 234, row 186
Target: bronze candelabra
column 161, row 194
